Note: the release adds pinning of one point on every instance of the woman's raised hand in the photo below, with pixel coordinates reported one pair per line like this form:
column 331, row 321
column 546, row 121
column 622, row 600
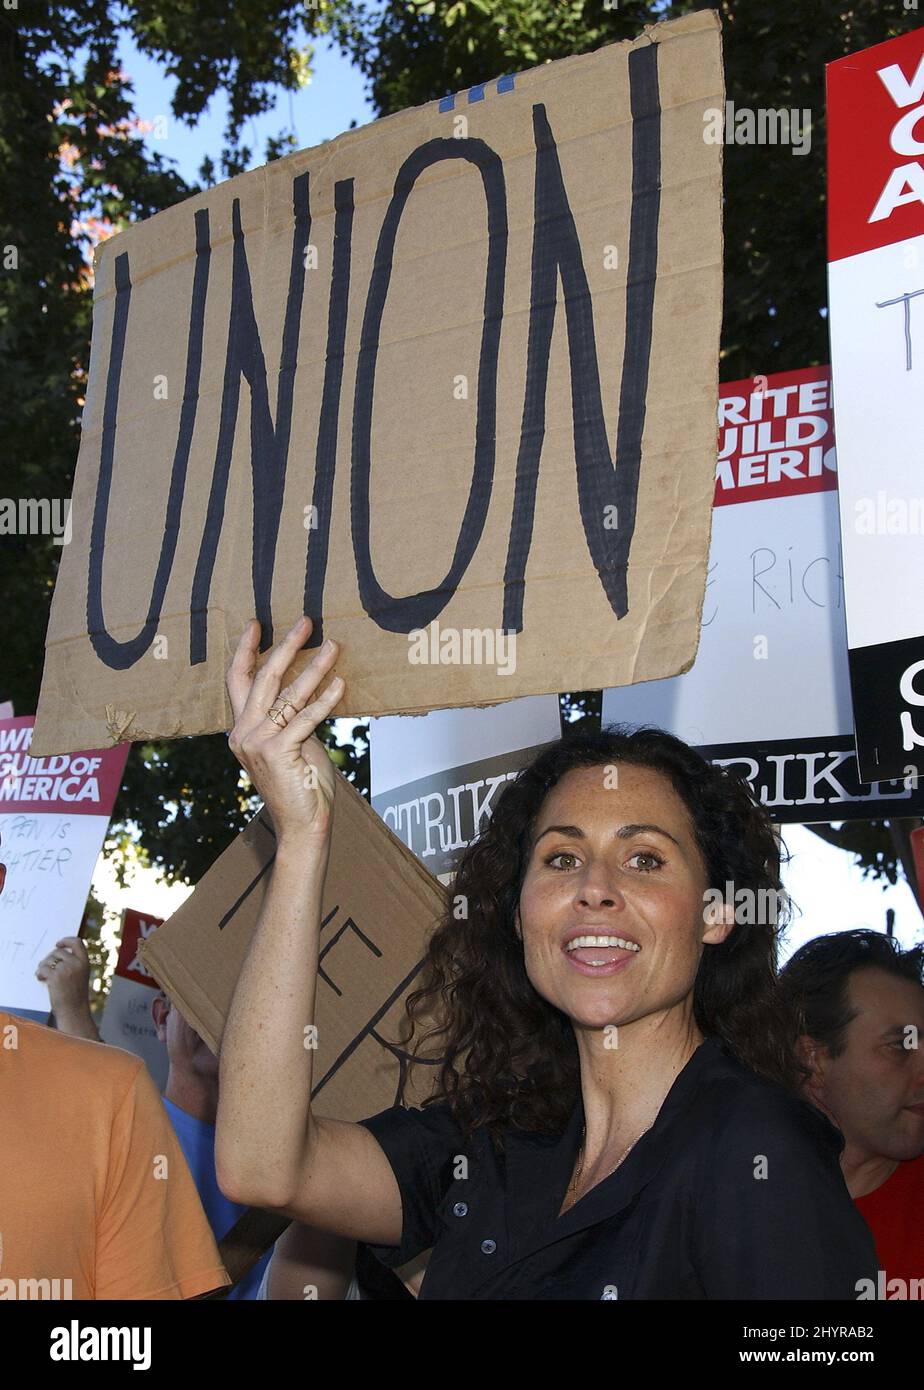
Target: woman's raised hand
column 273, row 736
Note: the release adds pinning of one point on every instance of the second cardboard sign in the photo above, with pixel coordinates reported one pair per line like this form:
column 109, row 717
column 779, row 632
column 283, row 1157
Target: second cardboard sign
column 379, row 907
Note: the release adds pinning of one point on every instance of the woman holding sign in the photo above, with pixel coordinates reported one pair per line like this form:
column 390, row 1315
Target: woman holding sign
column 609, row 1120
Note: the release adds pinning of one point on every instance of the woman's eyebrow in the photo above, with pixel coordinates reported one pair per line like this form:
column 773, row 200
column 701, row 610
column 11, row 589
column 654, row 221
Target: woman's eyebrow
column 625, row 832
column 894, row 1030
column 572, row 832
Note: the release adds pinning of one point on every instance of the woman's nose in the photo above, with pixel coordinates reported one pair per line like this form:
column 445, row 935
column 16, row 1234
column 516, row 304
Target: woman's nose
column 598, row 888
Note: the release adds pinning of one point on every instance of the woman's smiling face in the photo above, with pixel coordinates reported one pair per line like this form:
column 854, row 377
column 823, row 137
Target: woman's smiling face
column 613, row 856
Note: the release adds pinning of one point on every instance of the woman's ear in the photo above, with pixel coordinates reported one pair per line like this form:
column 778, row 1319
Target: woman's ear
column 718, row 918
column 517, row 926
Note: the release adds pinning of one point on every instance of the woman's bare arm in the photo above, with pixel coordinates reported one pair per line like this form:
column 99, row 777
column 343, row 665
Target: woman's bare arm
column 270, row 1151
column 308, row 1263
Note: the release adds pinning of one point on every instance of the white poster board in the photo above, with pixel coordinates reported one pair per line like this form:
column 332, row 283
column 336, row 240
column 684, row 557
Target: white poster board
column 876, row 285
column 769, row 690
column 54, row 813
column 435, row 777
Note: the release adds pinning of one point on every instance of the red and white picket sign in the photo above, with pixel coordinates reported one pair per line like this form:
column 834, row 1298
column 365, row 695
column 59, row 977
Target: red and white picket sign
column 127, row 1018
column 54, row 813
column 876, row 302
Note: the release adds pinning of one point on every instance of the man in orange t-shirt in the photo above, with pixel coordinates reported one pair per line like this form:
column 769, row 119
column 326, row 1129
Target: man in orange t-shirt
column 96, row 1199
column 862, row 1004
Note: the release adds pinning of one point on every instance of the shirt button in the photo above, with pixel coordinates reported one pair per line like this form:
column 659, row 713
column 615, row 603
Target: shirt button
column 460, row 1209
column 488, row 1247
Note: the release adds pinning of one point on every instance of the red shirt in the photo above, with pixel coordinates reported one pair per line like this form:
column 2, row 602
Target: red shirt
column 894, row 1213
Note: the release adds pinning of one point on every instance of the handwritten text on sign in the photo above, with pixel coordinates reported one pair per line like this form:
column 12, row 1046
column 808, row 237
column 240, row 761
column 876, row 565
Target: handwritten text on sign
column 54, row 813
column 335, row 380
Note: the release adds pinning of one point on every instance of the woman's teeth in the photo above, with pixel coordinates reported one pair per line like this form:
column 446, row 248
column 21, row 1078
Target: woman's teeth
column 579, row 942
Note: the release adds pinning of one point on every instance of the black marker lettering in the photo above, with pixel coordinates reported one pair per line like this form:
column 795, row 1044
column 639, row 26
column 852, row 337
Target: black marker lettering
column 349, row 925
column 557, row 251
column 269, row 444
column 115, row 654
column 326, row 451
column 416, row 610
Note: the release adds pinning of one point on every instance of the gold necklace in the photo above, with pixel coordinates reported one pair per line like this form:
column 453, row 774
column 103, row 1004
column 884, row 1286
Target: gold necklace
column 575, row 1181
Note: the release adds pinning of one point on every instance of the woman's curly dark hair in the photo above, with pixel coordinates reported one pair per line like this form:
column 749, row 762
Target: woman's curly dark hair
column 509, row 1058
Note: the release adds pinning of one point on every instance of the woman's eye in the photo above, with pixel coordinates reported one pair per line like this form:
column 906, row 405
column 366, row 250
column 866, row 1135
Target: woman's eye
column 654, row 861
column 565, row 854
column 649, row 861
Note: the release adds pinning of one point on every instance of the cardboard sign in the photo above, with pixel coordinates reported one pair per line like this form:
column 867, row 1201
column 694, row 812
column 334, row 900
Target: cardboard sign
column 379, row 908
column 127, row 1020
column 460, row 760
column 510, row 301
column 769, row 691
column 876, row 284
column 54, row 813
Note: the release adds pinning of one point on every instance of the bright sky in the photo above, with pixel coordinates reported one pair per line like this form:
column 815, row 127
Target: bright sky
column 323, row 109
column 831, row 893
column 834, row 896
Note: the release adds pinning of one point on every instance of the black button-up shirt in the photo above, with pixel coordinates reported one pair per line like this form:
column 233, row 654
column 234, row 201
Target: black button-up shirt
column 734, row 1193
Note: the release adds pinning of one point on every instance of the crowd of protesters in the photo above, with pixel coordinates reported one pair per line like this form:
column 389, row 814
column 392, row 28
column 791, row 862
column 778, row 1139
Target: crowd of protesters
column 632, row 1100
column 860, row 998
